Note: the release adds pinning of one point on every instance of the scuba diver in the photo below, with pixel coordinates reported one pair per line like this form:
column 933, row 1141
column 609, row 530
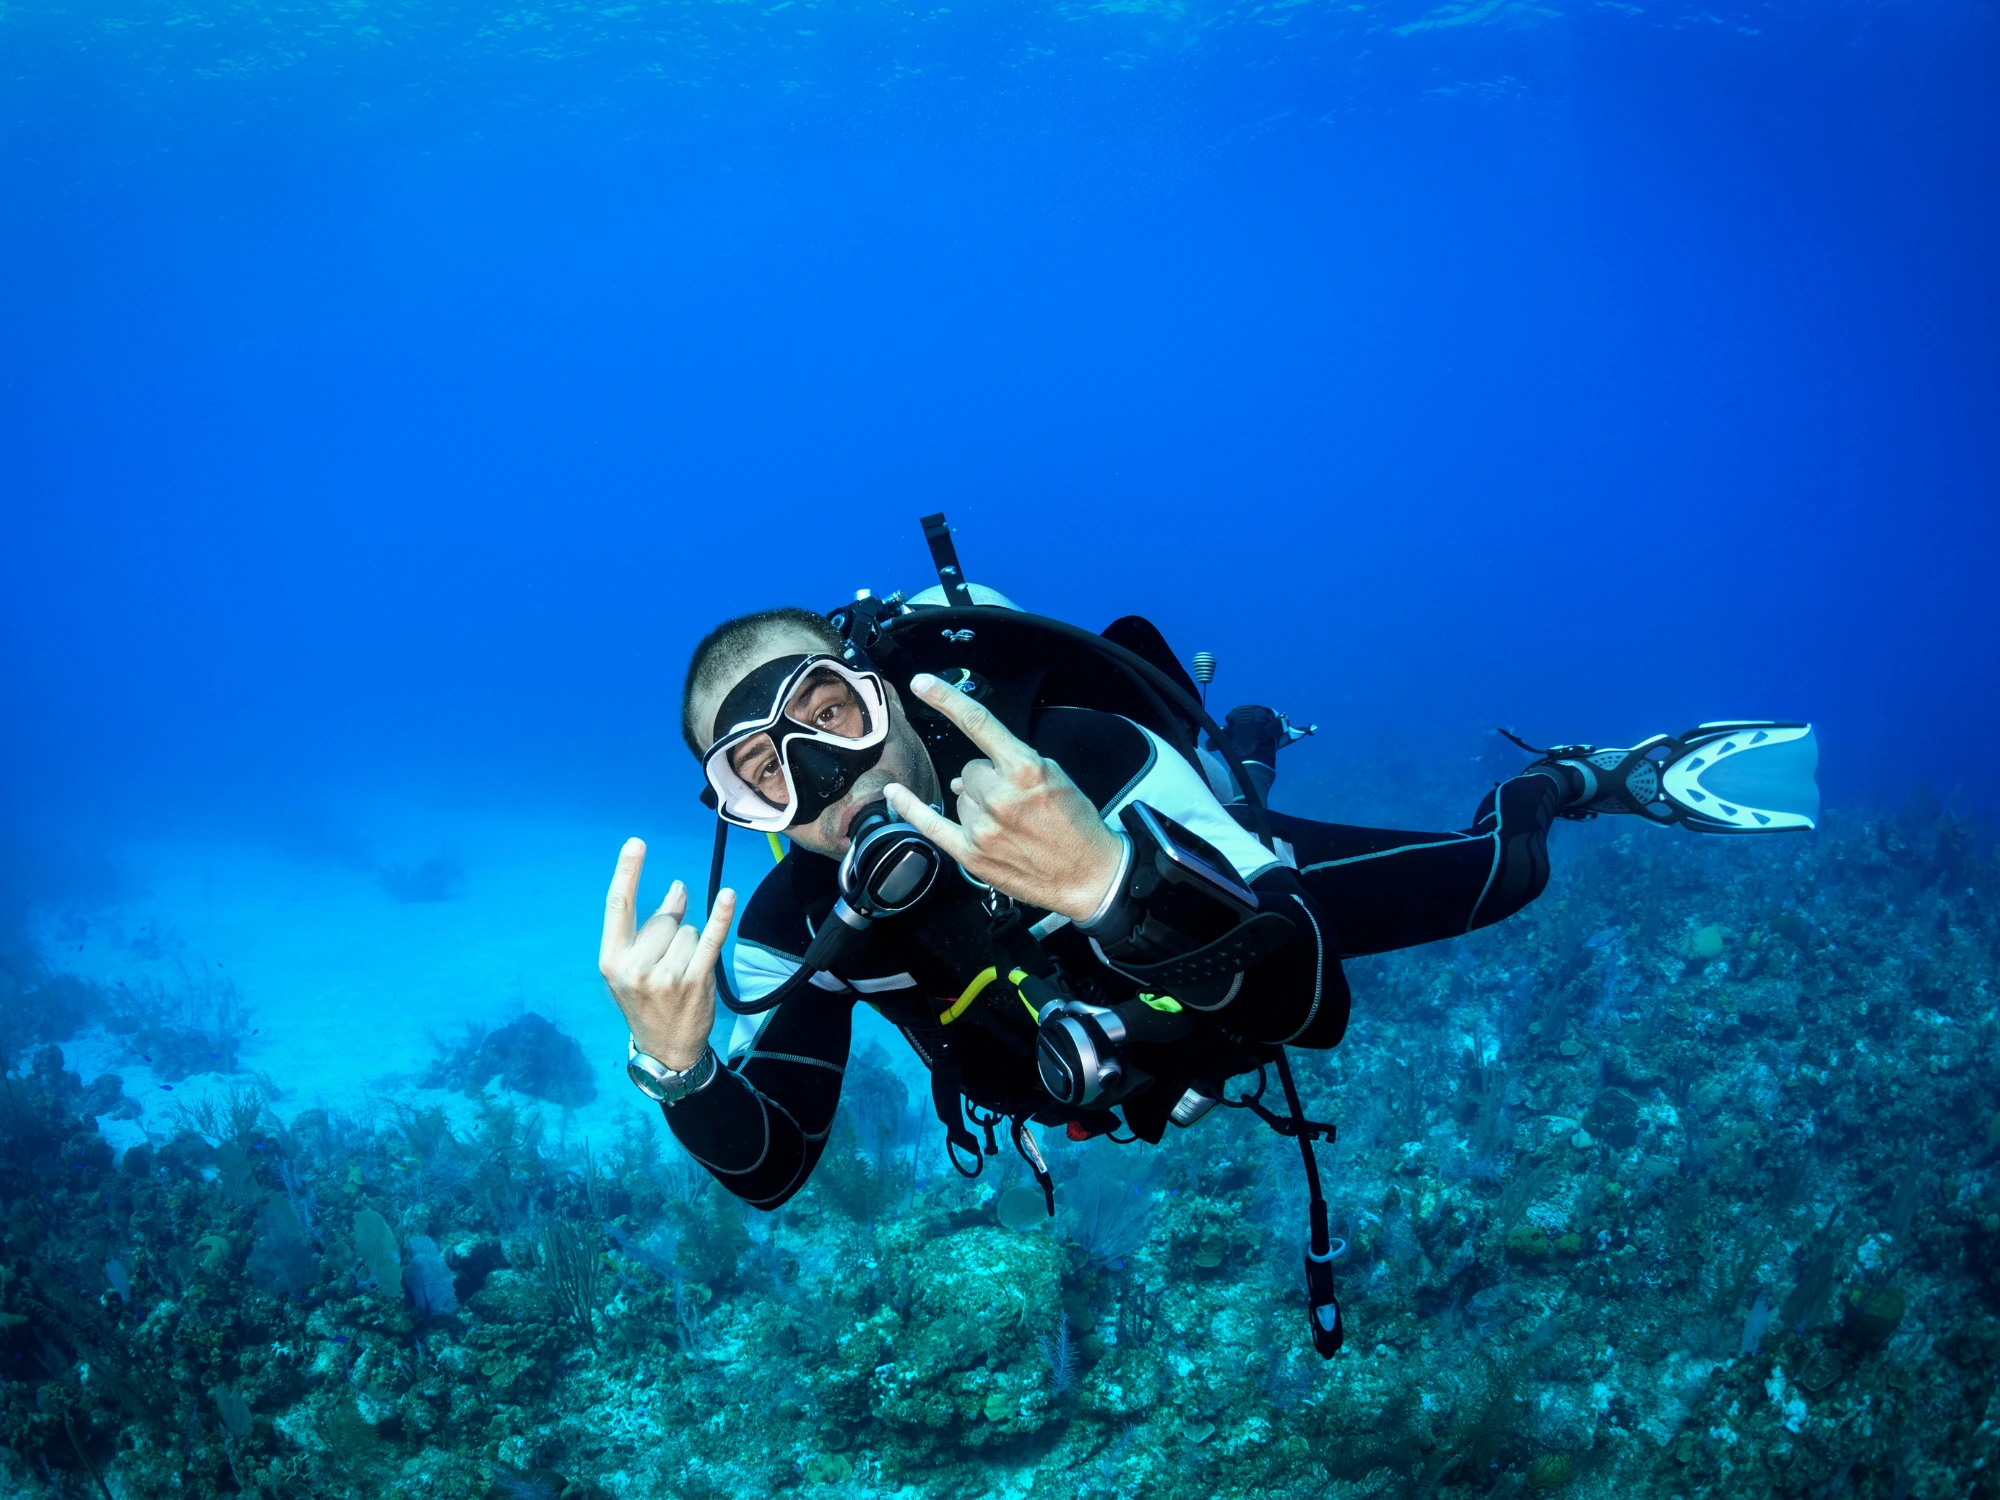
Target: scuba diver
column 1006, row 835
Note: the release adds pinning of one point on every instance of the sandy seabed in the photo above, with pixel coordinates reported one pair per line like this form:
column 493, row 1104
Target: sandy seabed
column 347, row 989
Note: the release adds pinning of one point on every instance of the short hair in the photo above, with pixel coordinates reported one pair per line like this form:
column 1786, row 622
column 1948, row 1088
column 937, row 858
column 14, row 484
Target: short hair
column 732, row 646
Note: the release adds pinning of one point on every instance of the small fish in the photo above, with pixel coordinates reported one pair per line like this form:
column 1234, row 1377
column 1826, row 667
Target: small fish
column 146, row 1059
column 1608, row 935
column 168, row 1087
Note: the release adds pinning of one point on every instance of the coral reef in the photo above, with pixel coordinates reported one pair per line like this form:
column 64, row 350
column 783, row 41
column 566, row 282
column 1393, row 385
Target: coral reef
column 531, row 1056
column 1686, row 1182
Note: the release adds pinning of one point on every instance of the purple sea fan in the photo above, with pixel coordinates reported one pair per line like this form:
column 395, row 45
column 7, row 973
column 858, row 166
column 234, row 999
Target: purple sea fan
column 428, row 1279
column 1755, row 1324
column 528, row 1484
column 1107, row 1206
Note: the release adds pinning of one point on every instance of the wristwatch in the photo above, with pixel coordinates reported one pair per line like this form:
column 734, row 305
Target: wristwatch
column 663, row 1084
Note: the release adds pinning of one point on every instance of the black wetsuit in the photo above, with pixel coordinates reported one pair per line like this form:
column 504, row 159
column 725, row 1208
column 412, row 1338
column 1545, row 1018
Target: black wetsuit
column 760, row 1126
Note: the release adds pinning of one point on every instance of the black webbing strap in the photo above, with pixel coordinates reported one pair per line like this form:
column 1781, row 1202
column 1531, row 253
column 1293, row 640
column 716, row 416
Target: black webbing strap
column 949, row 1101
column 1011, row 935
column 944, row 554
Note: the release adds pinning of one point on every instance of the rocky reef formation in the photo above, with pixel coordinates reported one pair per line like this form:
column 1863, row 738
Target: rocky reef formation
column 1685, row 1182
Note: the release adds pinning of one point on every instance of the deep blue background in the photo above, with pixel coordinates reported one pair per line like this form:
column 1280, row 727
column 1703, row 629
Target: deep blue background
column 394, row 411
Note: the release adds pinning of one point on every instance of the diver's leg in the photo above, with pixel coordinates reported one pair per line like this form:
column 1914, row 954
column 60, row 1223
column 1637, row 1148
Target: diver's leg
column 1388, row 888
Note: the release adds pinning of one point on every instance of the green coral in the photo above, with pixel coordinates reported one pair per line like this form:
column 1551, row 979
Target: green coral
column 1551, row 1471
column 1528, row 1242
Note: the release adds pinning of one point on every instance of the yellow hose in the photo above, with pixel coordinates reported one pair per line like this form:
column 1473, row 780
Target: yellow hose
column 979, row 982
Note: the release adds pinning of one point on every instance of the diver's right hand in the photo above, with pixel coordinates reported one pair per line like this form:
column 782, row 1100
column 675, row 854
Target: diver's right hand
column 663, row 974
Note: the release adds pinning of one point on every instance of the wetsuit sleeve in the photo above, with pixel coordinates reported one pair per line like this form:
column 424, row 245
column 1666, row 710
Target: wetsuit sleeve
column 1115, row 762
column 760, row 1127
column 761, row 1124
column 1298, row 996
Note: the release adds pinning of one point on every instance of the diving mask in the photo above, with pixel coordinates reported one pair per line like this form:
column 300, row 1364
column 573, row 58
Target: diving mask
column 801, row 731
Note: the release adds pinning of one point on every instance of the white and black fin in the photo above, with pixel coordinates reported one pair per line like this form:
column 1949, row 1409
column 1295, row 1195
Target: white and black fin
column 1745, row 777
column 1734, row 776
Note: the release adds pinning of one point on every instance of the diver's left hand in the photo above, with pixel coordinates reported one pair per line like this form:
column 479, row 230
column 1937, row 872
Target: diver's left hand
column 1024, row 828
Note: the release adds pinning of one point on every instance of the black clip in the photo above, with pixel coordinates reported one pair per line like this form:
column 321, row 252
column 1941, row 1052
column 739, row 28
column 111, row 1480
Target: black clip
column 987, row 1122
column 1312, row 1130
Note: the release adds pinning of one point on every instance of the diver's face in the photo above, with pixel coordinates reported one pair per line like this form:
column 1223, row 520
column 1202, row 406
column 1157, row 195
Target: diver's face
column 827, row 702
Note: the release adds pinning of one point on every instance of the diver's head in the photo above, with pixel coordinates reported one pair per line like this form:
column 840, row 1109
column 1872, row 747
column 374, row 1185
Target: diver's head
column 790, row 735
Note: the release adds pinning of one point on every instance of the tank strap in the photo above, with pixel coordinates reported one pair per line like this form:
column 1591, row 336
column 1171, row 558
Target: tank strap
column 944, row 555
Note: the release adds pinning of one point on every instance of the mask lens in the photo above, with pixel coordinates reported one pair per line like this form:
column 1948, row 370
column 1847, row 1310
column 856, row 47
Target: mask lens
column 757, row 764
column 827, row 703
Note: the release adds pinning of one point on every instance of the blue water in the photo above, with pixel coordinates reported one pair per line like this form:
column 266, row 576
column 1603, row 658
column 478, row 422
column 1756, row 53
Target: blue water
column 391, row 395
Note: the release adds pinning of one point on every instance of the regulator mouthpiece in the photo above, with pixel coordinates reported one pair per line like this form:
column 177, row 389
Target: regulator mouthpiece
column 889, row 867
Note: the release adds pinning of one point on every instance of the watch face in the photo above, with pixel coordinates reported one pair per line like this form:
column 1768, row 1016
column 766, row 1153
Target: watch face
column 648, row 1084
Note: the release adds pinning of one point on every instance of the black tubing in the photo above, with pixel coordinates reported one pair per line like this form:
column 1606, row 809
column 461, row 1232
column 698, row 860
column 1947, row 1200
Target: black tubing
column 803, row 976
column 1320, row 1241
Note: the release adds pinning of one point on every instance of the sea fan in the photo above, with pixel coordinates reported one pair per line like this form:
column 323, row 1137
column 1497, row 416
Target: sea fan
column 528, row 1484
column 428, row 1279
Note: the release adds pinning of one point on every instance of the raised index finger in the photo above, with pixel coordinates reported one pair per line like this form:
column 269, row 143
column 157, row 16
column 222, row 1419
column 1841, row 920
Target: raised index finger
column 621, row 902
column 979, row 725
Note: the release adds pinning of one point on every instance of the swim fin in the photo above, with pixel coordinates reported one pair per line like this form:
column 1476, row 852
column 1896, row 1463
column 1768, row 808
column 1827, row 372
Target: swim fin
column 1736, row 776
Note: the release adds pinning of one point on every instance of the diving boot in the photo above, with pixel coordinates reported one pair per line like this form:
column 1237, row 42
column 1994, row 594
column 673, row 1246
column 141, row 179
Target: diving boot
column 1256, row 734
column 1736, row 776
